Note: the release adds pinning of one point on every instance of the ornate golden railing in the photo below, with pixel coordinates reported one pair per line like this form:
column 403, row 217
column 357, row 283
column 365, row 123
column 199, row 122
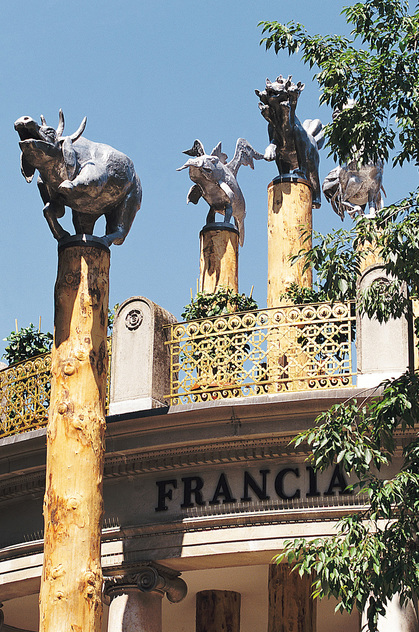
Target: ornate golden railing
column 291, row 348
column 25, row 392
column 24, row 395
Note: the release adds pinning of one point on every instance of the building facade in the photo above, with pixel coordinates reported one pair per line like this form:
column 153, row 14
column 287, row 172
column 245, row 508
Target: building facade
column 201, row 485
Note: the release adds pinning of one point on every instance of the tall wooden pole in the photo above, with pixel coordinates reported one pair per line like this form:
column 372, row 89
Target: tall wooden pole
column 289, row 231
column 219, row 258
column 291, row 608
column 289, row 215
column 70, row 598
column 218, row 611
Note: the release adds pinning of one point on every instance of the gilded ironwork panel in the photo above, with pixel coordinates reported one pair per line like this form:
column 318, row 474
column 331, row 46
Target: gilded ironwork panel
column 24, row 395
column 25, row 390
column 290, row 348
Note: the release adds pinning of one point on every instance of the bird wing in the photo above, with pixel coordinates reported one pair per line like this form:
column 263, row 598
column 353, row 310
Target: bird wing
column 243, row 155
column 220, row 154
column 194, row 194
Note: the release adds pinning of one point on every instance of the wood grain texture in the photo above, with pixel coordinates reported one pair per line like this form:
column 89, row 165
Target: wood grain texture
column 289, row 214
column 291, row 608
column 219, row 260
column 218, row 611
column 70, row 598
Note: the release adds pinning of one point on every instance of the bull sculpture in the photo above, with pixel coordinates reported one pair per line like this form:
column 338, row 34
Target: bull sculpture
column 91, row 178
column 294, row 146
column 216, row 181
column 351, row 187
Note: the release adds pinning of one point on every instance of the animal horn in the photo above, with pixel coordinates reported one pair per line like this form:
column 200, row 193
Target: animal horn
column 60, row 127
column 43, row 121
column 80, row 130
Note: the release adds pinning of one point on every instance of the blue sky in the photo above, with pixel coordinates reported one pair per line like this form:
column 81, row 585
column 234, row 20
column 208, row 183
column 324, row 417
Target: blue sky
column 151, row 77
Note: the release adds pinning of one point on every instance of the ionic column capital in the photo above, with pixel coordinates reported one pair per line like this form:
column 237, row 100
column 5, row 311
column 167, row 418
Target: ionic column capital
column 147, row 578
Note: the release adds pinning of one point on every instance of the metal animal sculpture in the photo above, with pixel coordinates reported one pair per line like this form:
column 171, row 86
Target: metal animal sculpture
column 351, row 187
column 294, row 146
column 215, row 180
column 92, row 179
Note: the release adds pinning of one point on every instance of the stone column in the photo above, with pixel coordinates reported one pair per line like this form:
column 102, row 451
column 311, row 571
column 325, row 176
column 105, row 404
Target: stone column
column 135, row 601
column 382, row 348
column 219, row 258
column 218, row 610
column 140, row 366
column 289, row 214
column 291, row 608
column 396, row 619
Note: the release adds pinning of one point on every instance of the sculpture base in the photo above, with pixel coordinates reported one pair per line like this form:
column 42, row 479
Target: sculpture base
column 220, row 226
column 82, row 240
column 290, row 177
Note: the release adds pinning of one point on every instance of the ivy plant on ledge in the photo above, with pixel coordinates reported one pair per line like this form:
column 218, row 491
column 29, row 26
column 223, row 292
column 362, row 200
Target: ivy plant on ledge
column 215, row 364
column 223, row 301
column 26, row 343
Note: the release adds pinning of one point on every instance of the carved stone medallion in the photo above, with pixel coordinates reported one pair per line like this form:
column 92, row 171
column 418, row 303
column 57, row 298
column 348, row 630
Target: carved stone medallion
column 133, row 319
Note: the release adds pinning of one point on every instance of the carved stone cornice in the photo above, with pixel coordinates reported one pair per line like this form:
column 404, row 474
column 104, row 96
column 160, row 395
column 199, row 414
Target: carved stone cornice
column 150, row 460
column 156, row 460
column 210, row 453
column 147, row 578
column 23, row 484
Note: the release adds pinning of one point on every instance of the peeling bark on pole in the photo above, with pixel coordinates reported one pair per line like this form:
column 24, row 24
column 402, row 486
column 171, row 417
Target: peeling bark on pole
column 289, row 214
column 70, row 598
column 291, row 608
column 218, row 611
column 219, row 259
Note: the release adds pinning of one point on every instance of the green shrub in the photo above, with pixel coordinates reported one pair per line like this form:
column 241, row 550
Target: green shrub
column 28, row 342
column 223, row 301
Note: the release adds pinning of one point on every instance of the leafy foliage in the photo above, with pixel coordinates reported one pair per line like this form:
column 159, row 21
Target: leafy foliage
column 28, row 342
column 111, row 317
column 301, row 295
column 336, row 264
column 378, row 67
column 395, row 232
column 223, row 301
column 375, row 550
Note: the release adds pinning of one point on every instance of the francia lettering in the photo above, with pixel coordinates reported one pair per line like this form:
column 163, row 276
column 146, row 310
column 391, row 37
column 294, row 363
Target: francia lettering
column 195, row 492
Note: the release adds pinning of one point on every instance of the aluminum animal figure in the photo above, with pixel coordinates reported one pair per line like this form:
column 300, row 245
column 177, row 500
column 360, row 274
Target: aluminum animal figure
column 215, row 180
column 92, row 179
column 351, row 187
column 294, row 146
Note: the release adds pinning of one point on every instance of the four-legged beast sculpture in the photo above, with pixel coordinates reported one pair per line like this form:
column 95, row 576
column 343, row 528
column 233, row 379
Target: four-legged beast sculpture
column 91, row 178
column 294, row 146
